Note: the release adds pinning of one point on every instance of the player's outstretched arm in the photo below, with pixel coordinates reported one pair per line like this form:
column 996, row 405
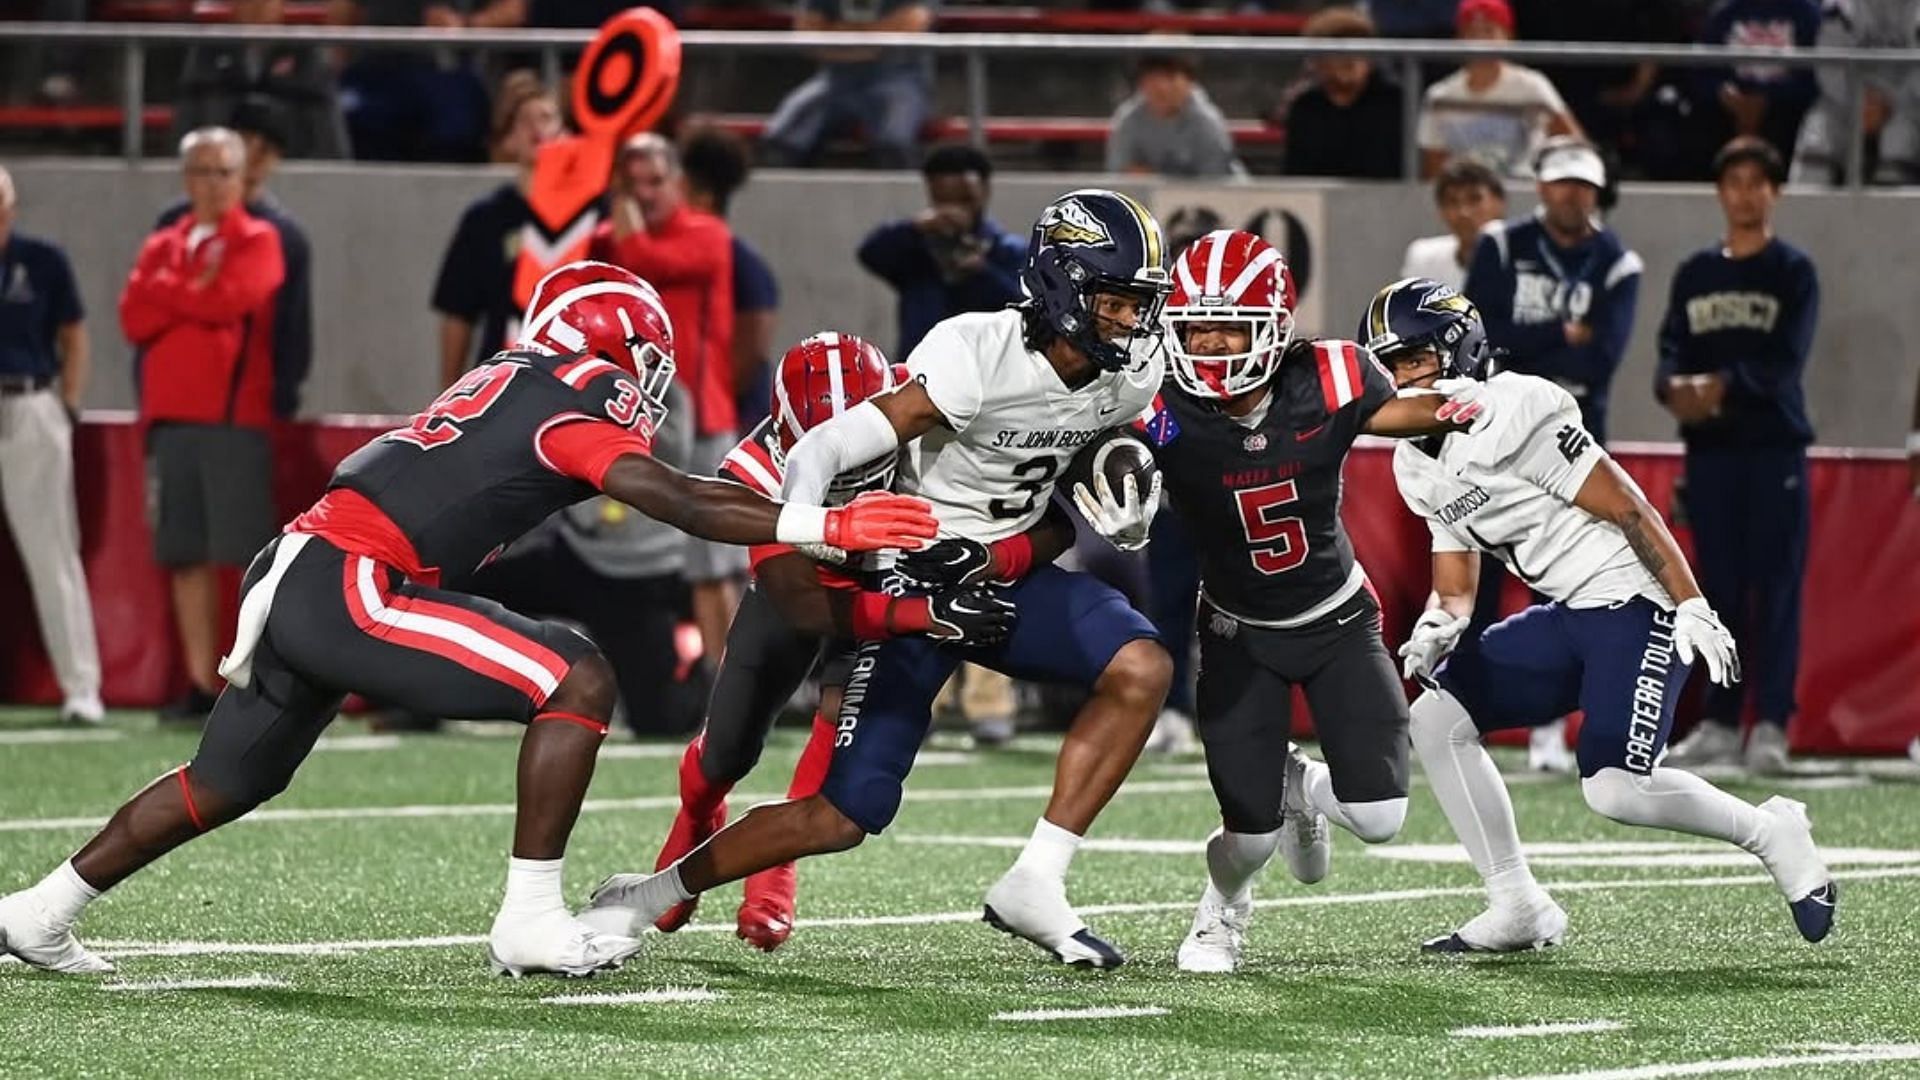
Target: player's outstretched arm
column 731, row 513
column 874, row 428
column 1608, row 494
column 970, row 615
column 1430, row 412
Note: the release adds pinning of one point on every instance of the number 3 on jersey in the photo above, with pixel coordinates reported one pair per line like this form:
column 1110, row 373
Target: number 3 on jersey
column 1275, row 544
column 439, row 423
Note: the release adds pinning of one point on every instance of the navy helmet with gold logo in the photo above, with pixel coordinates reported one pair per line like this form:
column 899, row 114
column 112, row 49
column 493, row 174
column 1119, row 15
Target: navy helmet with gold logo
column 1416, row 314
column 1090, row 242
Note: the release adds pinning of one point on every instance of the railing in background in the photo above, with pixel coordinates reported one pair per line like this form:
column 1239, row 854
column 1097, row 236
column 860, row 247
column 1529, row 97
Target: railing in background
column 973, row 48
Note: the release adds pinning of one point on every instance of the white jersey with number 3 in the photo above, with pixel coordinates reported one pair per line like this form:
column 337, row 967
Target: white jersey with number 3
column 1011, row 424
column 1509, row 491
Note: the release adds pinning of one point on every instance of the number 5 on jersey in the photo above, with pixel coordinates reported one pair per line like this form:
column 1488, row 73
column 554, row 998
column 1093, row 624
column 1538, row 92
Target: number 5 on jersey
column 1275, row 544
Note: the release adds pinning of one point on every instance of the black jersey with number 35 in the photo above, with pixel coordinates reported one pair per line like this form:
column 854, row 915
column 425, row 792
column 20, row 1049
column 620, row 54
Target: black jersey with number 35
column 465, row 477
column 1263, row 502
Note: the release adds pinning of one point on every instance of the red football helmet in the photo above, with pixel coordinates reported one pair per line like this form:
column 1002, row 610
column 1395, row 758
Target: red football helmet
column 597, row 309
column 1229, row 277
column 817, row 380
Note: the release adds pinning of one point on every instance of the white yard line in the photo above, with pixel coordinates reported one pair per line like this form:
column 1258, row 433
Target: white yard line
column 1106, row 1012
column 1521, row 1031
column 244, row 982
column 725, row 926
column 33, row 736
column 662, row 996
column 360, row 742
column 592, row 806
column 1859, row 1055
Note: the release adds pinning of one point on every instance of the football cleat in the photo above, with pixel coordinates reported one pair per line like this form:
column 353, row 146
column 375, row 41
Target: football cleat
column 1766, row 752
column 1709, row 743
column 1305, row 843
column 688, row 832
column 29, row 932
column 1028, row 905
column 1218, row 933
column 554, row 944
column 1547, row 749
column 1172, row 734
column 765, row 919
column 1538, row 924
column 1795, row 863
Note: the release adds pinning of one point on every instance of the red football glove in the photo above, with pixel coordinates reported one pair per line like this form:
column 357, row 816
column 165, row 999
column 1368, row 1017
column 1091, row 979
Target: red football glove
column 880, row 519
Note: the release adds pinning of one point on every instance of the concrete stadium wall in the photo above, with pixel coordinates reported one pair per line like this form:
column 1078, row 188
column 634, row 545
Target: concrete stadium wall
column 378, row 233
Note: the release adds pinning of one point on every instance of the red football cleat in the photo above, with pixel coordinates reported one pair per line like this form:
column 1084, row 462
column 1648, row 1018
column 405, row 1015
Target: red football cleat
column 766, row 916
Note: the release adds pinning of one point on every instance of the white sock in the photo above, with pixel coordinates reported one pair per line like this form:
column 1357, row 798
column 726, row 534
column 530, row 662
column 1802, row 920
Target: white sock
column 533, row 887
column 1679, row 801
column 1234, row 858
column 65, row 894
column 661, row 891
column 1049, row 850
column 1470, row 792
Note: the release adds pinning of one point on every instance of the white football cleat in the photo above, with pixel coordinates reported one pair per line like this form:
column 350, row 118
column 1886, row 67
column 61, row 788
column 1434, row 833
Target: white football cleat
column 1172, row 734
column 1031, row 906
column 1547, row 749
column 1305, row 843
column 29, row 932
column 1218, row 934
column 1534, row 924
column 1795, row 863
column 554, row 943
column 83, row 710
column 1766, row 752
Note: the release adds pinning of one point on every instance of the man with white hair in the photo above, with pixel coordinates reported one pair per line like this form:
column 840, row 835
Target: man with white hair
column 43, row 373
column 199, row 310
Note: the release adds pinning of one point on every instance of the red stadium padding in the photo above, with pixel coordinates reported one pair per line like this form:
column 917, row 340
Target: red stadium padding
column 1859, row 677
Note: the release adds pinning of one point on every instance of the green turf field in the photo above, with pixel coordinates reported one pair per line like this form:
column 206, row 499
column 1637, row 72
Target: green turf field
column 345, row 924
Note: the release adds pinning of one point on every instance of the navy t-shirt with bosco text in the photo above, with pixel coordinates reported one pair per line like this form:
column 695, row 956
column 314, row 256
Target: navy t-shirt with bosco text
column 37, row 297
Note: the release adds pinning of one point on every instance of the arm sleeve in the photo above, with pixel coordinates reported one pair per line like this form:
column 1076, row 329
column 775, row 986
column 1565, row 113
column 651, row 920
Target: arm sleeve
column 1216, row 158
column 63, row 305
column 1554, row 450
column 1443, row 538
column 1426, row 131
column 694, row 258
column 292, row 325
column 142, row 316
column 948, row 371
column 1673, row 335
column 251, row 272
column 459, row 290
column 855, row 437
column 888, row 252
column 585, row 448
column 1120, row 139
column 1615, row 324
column 754, row 288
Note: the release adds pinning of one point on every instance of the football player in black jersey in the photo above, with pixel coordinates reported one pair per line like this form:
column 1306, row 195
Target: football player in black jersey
column 348, row 600
column 1250, row 434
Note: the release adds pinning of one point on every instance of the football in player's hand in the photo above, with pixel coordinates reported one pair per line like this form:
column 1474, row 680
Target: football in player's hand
column 1116, row 455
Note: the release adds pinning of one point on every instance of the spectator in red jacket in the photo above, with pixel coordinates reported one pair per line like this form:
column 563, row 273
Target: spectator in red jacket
column 688, row 255
column 199, row 310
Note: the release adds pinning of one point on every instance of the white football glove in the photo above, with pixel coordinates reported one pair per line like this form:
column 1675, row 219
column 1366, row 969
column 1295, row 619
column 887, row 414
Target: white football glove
column 1434, row 636
column 1696, row 629
column 1125, row 521
column 1466, row 403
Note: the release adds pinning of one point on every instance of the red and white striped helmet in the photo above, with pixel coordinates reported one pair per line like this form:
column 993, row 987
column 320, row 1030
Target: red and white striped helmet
column 1229, row 276
column 817, row 380
column 598, row 309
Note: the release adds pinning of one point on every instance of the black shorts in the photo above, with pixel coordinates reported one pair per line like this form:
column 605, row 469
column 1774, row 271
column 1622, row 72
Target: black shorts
column 209, row 493
column 342, row 624
column 766, row 661
column 1244, row 707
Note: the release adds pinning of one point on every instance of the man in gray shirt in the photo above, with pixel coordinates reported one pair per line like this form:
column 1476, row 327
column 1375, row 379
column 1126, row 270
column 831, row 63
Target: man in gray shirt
column 1169, row 126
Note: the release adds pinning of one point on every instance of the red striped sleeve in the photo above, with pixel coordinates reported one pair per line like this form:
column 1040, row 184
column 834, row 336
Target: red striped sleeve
column 585, row 448
column 1340, row 378
column 752, row 464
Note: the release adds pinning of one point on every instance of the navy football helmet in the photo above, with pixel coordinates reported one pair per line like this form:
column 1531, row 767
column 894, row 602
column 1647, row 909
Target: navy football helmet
column 1414, row 314
column 1095, row 241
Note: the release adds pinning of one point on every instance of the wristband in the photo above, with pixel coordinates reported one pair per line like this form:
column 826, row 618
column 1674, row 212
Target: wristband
column 801, row 524
column 877, row 615
column 1012, row 557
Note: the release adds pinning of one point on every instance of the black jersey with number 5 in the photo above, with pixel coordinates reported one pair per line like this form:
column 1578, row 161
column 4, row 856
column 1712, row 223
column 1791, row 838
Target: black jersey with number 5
column 465, row 477
column 1263, row 501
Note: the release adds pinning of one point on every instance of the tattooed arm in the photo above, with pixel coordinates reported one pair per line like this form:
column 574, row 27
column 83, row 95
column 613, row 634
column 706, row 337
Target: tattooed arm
column 1609, row 495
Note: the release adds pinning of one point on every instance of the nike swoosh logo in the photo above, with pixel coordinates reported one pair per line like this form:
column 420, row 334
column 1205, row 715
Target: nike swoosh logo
column 1303, row 436
column 1348, row 619
column 1108, row 411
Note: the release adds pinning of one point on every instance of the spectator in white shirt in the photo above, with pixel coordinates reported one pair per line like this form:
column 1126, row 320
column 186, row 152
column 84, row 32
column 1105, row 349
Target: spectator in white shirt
column 1468, row 195
column 1490, row 110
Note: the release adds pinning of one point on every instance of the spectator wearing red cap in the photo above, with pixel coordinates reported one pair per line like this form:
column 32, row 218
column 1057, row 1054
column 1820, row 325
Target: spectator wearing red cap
column 1490, row 110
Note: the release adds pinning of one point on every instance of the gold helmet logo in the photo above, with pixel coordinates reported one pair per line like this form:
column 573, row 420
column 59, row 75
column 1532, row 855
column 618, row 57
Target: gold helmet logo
column 1070, row 223
column 1444, row 300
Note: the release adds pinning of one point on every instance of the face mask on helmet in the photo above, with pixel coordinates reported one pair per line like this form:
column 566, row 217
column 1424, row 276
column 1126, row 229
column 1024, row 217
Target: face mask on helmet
column 596, row 309
column 1092, row 244
column 1230, row 318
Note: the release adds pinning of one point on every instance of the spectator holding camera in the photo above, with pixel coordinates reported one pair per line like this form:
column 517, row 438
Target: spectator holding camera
column 949, row 258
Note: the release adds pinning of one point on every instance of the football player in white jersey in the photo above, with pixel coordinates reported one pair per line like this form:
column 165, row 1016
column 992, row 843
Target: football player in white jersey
column 996, row 407
column 1625, row 623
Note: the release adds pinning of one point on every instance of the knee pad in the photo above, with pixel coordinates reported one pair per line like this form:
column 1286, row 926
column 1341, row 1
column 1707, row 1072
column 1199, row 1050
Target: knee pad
column 1616, row 794
column 1376, row 822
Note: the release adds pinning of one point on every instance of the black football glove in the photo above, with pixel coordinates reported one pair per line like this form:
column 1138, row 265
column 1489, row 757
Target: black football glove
column 975, row 615
column 949, row 564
